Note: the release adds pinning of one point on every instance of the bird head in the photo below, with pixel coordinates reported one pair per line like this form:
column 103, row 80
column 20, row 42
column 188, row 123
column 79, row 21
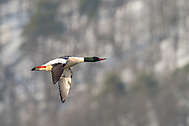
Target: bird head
column 93, row 59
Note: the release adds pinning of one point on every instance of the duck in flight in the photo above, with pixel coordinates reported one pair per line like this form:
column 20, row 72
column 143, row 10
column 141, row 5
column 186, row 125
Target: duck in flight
column 60, row 69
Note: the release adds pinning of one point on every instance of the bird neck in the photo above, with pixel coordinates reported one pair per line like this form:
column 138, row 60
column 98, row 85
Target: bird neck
column 76, row 59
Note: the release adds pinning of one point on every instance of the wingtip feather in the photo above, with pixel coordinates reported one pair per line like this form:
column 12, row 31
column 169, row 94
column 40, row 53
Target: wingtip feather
column 33, row 69
column 63, row 100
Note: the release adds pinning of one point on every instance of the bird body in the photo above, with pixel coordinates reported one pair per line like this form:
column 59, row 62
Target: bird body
column 73, row 61
column 61, row 71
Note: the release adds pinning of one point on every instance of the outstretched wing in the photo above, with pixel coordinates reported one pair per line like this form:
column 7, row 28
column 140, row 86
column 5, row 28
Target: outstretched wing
column 65, row 84
column 57, row 71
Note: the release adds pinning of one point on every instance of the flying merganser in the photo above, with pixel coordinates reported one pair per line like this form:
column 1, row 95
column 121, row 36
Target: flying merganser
column 61, row 71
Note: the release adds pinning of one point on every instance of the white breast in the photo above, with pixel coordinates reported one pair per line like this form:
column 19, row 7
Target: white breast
column 74, row 60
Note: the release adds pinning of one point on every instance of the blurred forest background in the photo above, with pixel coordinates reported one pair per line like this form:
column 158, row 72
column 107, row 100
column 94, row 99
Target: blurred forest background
column 144, row 82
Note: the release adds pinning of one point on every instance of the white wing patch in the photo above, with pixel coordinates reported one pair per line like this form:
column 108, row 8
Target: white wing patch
column 57, row 60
